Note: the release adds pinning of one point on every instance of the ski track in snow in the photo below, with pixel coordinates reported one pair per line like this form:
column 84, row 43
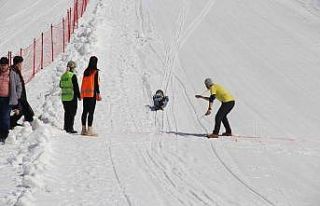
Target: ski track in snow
column 170, row 61
column 155, row 141
column 141, row 157
column 170, row 64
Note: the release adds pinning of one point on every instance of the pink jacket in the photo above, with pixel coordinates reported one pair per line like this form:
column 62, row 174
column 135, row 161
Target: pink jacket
column 4, row 84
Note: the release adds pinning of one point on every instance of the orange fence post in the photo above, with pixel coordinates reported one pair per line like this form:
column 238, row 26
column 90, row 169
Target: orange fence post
column 82, row 8
column 73, row 23
column 74, row 13
column 77, row 12
column 34, row 57
column 63, row 35
column 10, row 57
column 42, row 50
column 51, row 42
column 68, row 16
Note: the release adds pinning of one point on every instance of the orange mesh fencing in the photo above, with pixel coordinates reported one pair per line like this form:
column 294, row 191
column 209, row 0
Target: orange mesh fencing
column 50, row 44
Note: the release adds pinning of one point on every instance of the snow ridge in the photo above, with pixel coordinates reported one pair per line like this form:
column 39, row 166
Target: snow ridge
column 30, row 157
column 31, row 144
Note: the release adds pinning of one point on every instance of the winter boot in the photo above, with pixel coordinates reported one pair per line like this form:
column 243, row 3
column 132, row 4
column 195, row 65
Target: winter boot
column 213, row 135
column 84, row 130
column 90, row 132
column 72, row 131
column 226, row 134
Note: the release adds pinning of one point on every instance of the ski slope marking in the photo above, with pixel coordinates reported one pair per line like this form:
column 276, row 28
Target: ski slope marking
column 237, row 177
column 123, row 189
column 196, row 22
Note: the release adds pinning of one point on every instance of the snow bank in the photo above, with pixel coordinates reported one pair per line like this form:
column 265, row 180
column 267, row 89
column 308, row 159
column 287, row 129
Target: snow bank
column 79, row 50
column 29, row 158
column 18, row 17
column 156, row 158
column 317, row 4
column 27, row 150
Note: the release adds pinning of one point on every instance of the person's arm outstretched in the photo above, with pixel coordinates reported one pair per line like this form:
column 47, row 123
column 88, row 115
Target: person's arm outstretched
column 210, row 99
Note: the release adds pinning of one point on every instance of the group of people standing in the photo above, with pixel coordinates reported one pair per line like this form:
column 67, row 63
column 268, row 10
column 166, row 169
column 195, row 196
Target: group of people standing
column 89, row 94
column 13, row 96
column 14, row 103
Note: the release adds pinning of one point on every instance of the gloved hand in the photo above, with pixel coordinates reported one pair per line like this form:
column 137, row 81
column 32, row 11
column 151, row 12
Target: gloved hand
column 208, row 112
column 98, row 97
column 16, row 111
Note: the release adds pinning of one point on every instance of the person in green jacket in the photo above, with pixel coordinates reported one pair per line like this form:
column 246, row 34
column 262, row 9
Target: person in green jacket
column 70, row 96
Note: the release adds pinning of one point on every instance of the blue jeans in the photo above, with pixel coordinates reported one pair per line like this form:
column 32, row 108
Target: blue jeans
column 4, row 117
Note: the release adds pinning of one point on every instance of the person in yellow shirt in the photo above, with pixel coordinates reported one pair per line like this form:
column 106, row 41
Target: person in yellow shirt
column 228, row 102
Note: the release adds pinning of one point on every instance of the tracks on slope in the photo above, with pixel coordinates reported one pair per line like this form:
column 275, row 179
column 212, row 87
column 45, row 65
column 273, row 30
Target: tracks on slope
column 123, row 189
column 170, row 62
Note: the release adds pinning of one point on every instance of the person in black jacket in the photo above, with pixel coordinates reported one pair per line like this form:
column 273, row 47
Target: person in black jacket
column 23, row 108
column 160, row 101
column 70, row 95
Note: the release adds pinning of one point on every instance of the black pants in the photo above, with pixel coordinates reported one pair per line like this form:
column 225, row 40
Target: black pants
column 89, row 105
column 4, row 118
column 221, row 116
column 70, row 110
column 25, row 110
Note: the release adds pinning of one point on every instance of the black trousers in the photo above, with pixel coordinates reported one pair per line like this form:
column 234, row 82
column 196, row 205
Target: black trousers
column 221, row 116
column 89, row 105
column 25, row 110
column 4, row 118
column 70, row 110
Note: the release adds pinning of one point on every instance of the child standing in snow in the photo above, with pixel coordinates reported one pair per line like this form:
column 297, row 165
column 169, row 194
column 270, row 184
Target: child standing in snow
column 90, row 93
column 10, row 93
column 227, row 100
column 70, row 95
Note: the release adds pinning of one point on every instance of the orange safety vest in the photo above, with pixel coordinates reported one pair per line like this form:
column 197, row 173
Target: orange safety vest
column 87, row 86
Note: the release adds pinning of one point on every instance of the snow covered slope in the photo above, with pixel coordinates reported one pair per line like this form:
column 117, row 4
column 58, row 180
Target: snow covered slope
column 264, row 51
column 21, row 21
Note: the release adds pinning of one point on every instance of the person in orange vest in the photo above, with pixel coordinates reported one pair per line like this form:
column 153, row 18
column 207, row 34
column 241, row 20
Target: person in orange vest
column 90, row 93
column 227, row 100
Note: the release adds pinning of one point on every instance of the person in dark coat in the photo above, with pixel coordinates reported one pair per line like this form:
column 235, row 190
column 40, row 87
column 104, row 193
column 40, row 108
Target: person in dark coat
column 160, row 101
column 23, row 108
column 10, row 93
column 70, row 96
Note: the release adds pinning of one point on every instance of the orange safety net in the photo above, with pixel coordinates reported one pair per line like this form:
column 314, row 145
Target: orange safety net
column 44, row 49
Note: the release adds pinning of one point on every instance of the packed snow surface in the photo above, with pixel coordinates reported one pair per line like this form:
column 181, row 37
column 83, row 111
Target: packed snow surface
column 266, row 52
column 21, row 21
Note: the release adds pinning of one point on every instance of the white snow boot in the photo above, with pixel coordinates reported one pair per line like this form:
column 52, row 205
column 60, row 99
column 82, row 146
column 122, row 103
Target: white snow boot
column 84, row 130
column 90, row 132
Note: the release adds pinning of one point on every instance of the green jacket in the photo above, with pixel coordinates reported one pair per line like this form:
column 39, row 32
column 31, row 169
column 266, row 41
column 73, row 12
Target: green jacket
column 66, row 86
